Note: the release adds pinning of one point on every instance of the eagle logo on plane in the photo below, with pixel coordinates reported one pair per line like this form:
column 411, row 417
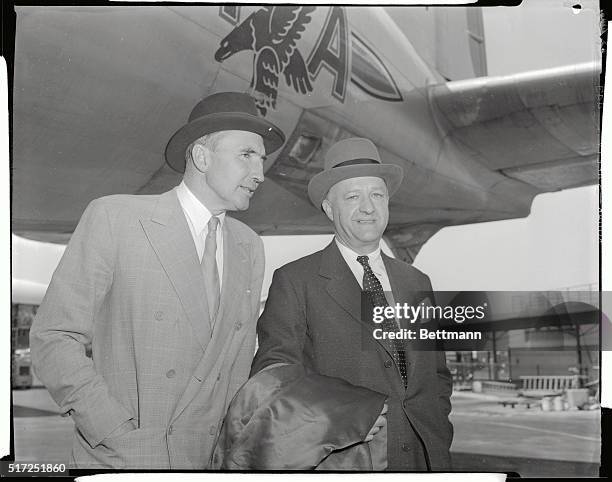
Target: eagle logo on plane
column 271, row 33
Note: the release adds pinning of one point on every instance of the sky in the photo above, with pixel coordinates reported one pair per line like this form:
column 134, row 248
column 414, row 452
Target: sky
column 555, row 247
column 542, row 33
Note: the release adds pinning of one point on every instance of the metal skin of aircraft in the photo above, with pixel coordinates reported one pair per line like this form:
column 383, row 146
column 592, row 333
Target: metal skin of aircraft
column 98, row 91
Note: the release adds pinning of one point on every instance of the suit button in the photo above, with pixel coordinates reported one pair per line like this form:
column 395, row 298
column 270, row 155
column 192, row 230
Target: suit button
column 170, row 430
column 405, row 447
column 405, row 403
column 213, row 430
column 238, row 326
column 170, row 373
column 388, row 363
column 159, row 315
column 248, row 292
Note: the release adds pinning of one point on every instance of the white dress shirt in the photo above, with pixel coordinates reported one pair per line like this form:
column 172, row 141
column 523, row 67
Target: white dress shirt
column 378, row 268
column 376, row 263
column 197, row 216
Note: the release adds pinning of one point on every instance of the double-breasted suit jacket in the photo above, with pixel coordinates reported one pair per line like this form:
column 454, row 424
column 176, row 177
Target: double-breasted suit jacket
column 313, row 317
column 130, row 282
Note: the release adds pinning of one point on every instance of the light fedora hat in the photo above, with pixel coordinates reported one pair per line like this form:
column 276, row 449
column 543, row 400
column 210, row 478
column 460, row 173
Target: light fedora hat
column 354, row 157
column 224, row 111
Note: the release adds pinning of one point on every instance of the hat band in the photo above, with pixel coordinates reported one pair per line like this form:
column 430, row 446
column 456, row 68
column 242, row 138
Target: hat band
column 353, row 162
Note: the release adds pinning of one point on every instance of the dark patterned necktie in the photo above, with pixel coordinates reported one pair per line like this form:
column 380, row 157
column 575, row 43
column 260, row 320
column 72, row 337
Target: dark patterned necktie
column 372, row 286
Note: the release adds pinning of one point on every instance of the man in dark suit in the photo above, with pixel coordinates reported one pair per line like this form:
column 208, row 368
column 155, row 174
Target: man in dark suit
column 313, row 315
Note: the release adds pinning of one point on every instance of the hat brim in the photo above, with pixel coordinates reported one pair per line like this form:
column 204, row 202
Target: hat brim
column 272, row 136
column 321, row 183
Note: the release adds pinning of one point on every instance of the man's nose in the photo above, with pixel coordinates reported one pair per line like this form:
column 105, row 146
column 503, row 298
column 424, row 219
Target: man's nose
column 366, row 205
column 257, row 171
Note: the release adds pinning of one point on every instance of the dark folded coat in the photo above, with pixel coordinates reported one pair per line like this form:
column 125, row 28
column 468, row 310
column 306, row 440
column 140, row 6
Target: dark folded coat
column 287, row 418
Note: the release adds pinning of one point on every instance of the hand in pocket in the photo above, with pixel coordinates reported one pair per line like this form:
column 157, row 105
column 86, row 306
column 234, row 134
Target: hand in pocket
column 124, row 428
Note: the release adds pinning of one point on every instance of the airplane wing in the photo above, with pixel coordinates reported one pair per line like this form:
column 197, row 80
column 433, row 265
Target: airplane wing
column 541, row 128
column 526, row 134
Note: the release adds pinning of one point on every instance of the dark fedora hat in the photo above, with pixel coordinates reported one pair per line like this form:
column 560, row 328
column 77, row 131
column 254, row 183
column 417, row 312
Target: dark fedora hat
column 224, row 111
column 348, row 158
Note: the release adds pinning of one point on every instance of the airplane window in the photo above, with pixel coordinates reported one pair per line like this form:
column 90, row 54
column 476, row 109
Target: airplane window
column 304, row 148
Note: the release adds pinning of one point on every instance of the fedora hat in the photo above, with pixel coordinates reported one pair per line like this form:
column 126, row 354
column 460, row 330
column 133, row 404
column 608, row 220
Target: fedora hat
column 354, row 157
column 224, row 111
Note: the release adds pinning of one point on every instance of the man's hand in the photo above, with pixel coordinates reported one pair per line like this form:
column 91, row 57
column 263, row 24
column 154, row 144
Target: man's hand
column 381, row 421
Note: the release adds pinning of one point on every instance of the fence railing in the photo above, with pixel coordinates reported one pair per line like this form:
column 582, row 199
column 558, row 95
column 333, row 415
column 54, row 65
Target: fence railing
column 550, row 382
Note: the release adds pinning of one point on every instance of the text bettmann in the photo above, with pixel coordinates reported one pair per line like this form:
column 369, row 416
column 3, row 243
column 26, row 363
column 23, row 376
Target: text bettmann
column 425, row 334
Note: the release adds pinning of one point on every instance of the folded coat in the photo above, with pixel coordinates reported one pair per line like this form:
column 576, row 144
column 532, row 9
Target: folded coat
column 287, row 418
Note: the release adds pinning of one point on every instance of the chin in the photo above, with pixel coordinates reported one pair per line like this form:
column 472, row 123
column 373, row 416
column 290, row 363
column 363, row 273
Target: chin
column 370, row 235
column 372, row 240
column 241, row 206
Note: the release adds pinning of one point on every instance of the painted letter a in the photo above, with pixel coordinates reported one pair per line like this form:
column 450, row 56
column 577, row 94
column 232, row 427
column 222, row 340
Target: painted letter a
column 331, row 51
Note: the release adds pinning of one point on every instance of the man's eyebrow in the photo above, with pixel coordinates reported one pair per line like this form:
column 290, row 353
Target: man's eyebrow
column 250, row 150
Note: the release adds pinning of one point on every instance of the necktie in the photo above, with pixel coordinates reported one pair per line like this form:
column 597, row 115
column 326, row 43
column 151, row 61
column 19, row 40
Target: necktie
column 372, row 286
column 210, row 270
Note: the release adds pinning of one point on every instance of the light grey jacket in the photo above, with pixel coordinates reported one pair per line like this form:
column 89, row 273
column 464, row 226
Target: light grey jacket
column 131, row 284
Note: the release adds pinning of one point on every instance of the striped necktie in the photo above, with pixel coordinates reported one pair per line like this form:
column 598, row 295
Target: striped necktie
column 210, row 269
column 373, row 287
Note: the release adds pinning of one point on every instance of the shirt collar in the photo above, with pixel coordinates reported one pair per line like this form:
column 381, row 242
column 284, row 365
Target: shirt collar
column 374, row 256
column 198, row 214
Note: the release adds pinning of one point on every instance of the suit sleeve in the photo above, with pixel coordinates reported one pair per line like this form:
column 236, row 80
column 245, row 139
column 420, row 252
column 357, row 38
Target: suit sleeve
column 444, row 379
column 64, row 326
column 445, row 383
column 281, row 329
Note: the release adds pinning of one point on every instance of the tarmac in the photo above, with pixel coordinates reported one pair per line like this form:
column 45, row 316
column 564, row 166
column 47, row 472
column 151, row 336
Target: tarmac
column 528, row 441
column 488, row 437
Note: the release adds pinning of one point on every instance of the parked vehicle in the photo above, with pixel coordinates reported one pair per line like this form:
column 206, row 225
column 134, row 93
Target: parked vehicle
column 21, row 368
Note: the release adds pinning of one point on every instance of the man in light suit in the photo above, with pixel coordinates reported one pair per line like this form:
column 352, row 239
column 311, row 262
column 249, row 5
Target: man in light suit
column 166, row 289
column 313, row 315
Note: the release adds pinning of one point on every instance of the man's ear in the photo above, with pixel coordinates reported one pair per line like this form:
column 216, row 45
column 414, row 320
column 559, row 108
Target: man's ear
column 327, row 209
column 201, row 157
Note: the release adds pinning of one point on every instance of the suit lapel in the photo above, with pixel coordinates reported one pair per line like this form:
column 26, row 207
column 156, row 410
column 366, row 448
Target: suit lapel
column 236, row 278
column 236, row 272
column 169, row 235
column 403, row 285
column 400, row 283
column 405, row 290
column 343, row 287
